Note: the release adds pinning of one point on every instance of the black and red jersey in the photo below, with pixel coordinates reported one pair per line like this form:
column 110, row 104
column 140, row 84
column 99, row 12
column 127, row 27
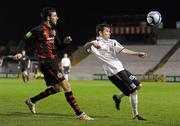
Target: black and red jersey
column 46, row 40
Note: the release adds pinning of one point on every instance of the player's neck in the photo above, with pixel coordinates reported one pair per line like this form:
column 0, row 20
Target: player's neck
column 47, row 23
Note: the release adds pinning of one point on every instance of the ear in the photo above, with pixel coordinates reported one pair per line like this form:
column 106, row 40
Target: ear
column 48, row 18
column 100, row 32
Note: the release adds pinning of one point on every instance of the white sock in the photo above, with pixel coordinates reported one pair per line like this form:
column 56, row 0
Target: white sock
column 120, row 95
column 134, row 103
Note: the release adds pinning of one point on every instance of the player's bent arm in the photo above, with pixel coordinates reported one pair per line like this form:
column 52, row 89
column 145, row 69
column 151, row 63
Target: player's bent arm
column 29, row 64
column 130, row 52
column 22, row 44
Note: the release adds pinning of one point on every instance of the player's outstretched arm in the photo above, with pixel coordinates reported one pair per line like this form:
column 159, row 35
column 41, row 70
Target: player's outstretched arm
column 130, row 52
column 17, row 56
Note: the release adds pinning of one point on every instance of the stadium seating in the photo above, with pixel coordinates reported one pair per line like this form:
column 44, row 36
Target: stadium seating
column 172, row 66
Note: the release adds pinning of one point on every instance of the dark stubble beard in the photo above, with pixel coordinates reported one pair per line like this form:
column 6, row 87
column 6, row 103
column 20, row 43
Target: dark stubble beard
column 53, row 25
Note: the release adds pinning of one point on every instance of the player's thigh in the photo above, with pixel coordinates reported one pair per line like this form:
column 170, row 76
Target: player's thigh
column 52, row 74
column 120, row 84
column 132, row 78
column 66, row 86
column 127, row 81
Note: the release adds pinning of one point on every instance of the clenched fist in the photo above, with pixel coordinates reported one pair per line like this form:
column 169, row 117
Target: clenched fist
column 67, row 40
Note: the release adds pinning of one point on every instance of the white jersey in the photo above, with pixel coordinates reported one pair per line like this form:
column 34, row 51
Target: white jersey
column 65, row 62
column 108, row 54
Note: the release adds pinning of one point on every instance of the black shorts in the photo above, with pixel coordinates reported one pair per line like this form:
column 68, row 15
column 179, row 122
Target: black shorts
column 52, row 74
column 23, row 69
column 125, row 81
column 66, row 70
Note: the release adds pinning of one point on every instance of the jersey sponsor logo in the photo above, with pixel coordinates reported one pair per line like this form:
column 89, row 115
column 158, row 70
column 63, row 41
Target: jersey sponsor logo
column 44, row 33
column 51, row 39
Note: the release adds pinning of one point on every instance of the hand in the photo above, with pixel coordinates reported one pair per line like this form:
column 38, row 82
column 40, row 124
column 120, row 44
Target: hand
column 18, row 56
column 67, row 40
column 142, row 54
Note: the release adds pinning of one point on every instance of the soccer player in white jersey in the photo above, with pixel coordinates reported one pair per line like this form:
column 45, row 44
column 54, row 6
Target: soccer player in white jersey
column 66, row 66
column 106, row 50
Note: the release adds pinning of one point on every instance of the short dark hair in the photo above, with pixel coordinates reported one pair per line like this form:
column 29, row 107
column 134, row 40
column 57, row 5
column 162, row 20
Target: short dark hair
column 100, row 27
column 46, row 11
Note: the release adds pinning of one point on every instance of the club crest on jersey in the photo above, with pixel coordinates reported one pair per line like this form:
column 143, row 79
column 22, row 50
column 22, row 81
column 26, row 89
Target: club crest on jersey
column 44, row 33
column 59, row 75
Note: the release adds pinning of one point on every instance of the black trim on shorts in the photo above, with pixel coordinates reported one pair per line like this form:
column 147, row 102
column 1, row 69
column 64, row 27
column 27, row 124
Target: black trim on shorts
column 66, row 70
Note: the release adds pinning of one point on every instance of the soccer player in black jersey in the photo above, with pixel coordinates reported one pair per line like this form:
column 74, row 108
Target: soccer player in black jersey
column 46, row 38
column 24, row 64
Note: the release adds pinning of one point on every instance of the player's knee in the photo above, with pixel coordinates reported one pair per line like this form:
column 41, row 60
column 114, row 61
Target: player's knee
column 66, row 86
column 135, row 92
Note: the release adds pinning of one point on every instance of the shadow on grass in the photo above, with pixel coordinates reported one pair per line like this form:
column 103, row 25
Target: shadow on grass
column 27, row 114
column 96, row 116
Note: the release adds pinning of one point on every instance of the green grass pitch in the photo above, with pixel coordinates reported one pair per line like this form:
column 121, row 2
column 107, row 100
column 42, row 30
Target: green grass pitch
column 159, row 103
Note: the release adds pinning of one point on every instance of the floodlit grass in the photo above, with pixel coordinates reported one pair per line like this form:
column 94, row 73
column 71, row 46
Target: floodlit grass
column 158, row 102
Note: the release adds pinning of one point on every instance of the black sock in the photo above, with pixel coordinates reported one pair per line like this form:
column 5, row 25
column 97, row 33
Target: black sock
column 24, row 79
column 72, row 101
column 27, row 78
column 46, row 93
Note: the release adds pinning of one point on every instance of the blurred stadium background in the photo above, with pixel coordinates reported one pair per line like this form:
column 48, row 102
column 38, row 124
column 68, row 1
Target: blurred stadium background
column 128, row 25
column 159, row 97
